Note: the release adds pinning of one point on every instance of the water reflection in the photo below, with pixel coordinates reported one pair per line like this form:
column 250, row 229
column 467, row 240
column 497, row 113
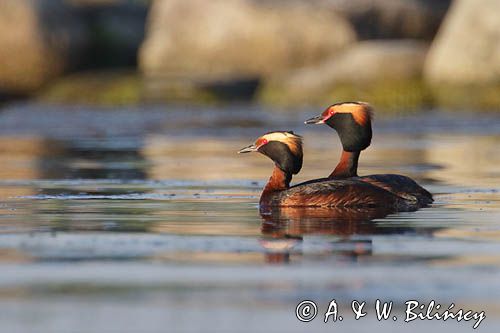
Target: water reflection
column 284, row 228
column 93, row 159
column 159, row 202
column 297, row 221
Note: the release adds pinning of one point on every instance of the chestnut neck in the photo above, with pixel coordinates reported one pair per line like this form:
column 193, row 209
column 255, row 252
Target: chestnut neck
column 348, row 165
column 279, row 181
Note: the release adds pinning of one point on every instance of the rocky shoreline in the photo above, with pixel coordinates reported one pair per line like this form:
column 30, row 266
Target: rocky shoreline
column 395, row 53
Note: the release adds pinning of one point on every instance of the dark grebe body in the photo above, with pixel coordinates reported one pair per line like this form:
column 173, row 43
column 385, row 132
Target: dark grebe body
column 285, row 149
column 352, row 122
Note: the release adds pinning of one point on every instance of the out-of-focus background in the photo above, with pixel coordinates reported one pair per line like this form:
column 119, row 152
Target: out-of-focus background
column 394, row 53
column 125, row 208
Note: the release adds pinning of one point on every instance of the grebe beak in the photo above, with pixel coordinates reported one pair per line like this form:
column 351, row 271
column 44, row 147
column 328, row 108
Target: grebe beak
column 315, row 120
column 248, row 149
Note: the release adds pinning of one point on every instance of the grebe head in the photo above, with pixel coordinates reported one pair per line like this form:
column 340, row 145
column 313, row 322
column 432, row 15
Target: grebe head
column 351, row 120
column 284, row 148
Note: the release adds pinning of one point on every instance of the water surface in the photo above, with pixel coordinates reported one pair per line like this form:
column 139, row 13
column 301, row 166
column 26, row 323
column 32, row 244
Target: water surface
column 149, row 215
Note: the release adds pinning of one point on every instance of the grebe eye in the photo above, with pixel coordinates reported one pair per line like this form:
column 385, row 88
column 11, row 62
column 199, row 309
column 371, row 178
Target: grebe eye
column 331, row 112
column 261, row 142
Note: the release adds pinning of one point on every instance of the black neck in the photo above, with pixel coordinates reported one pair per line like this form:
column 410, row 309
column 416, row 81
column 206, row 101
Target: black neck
column 283, row 157
column 353, row 136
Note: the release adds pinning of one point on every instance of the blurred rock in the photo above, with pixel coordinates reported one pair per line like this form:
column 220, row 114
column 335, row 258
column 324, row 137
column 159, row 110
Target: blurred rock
column 392, row 19
column 100, row 2
column 238, row 39
column 467, row 48
column 39, row 41
column 114, row 87
column 366, row 63
column 116, row 31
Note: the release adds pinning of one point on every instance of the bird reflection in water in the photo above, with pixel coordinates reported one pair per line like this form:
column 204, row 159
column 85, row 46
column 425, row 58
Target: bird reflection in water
column 283, row 229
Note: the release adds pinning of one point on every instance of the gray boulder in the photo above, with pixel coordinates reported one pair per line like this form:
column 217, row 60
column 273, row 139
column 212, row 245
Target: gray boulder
column 391, row 19
column 467, row 48
column 365, row 63
column 221, row 39
column 39, row 40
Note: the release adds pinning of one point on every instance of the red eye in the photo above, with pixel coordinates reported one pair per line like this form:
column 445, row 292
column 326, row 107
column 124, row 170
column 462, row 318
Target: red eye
column 261, row 142
column 331, row 112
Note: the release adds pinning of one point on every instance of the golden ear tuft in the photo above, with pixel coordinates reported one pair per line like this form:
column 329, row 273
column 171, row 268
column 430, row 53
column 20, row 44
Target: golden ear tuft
column 362, row 112
column 292, row 140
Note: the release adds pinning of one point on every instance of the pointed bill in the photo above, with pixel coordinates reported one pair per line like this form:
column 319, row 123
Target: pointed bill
column 248, row 149
column 315, row 120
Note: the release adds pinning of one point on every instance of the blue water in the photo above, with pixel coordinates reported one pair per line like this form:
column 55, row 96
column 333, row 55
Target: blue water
column 145, row 219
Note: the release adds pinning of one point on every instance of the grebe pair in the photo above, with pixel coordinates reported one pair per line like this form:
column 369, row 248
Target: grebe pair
column 343, row 187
